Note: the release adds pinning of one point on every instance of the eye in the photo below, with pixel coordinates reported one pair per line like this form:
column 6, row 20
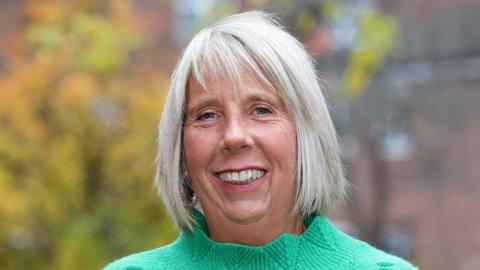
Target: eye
column 206, row 116
column 262, row 111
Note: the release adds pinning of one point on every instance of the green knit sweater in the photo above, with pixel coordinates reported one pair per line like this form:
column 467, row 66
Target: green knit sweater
column 321, row 246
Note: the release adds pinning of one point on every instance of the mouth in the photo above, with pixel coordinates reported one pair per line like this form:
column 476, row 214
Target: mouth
column 241, row 177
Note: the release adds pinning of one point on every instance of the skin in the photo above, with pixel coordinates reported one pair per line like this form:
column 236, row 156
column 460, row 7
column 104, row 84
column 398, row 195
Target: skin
column 227, row 130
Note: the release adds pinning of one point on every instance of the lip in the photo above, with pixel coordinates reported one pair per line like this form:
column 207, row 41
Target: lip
column 239, row 169
column 241, row 187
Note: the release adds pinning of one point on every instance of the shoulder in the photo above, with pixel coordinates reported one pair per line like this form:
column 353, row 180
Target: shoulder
column 346, row 252
column 146, row 260
column 375, row 259
column 367, row 257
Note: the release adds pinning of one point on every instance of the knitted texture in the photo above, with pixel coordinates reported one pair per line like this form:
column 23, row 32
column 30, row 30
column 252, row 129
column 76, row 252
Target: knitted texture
column 321, row 246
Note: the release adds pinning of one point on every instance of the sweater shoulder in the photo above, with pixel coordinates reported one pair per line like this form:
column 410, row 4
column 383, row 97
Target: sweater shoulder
column 379, row 260
column 154, row 259
column 367, row 257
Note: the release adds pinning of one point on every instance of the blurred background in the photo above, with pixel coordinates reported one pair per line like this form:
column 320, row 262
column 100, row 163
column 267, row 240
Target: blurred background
column 82, row 85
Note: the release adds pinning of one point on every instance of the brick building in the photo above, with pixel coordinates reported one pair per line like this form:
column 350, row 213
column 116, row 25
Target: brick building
column 422, row 111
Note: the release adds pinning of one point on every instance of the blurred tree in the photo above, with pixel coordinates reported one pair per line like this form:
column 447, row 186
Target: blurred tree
column 377, row 37
column 374, row 41
column 77, row 139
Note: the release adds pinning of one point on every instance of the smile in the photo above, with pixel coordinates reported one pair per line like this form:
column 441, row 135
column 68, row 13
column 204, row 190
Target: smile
column 241, row 177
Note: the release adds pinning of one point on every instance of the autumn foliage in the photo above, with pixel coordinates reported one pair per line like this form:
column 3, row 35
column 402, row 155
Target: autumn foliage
column 78, row 116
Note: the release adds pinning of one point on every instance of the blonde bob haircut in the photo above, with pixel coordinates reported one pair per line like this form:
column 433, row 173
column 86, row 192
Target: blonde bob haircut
column 254, row 41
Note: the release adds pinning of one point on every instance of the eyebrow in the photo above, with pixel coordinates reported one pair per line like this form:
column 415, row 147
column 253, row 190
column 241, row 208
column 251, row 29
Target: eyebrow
column 262, row 97
column 265, row 96
column 200, row 103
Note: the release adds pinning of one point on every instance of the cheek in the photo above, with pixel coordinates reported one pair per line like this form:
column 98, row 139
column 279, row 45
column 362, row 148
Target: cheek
column 283, row 135
column 280, row 148
column 287, row 150
column 198, row 150
column 281, row 143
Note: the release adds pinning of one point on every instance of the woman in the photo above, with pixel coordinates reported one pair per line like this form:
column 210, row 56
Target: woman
column 248, row 161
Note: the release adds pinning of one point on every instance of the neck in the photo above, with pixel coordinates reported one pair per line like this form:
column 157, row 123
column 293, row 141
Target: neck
column 257, row 233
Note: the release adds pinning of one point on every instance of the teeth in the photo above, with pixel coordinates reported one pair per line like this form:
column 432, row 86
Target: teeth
column 242, row 176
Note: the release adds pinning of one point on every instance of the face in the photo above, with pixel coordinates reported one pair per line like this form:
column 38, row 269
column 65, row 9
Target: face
column 240, row 150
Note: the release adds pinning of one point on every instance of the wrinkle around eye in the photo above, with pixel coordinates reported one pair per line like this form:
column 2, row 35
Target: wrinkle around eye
column 203, row 119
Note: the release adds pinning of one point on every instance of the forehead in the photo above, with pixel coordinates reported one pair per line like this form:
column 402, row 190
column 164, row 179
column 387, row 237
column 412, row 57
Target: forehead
column 223, row 84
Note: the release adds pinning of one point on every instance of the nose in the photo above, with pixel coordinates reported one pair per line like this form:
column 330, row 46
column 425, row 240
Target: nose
column 236, row 135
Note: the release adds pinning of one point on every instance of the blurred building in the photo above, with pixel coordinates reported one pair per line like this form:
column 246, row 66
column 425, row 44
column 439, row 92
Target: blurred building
column 437, row 82
column 420, row 116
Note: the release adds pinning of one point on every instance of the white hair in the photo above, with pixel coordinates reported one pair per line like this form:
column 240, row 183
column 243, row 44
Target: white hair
column 254, row 41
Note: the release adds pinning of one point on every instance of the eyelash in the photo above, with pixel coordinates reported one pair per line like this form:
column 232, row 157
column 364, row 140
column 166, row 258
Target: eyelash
column 203, row 116
column 263, row 108
column 260, row 111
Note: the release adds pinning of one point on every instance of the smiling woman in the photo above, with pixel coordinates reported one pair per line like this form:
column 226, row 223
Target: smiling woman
column 240, row 150
column 248, row 161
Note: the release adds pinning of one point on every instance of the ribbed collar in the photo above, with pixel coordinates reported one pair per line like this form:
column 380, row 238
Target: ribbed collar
column 282, row 252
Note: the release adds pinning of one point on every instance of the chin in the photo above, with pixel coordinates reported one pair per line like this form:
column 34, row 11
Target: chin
column 245, row 213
